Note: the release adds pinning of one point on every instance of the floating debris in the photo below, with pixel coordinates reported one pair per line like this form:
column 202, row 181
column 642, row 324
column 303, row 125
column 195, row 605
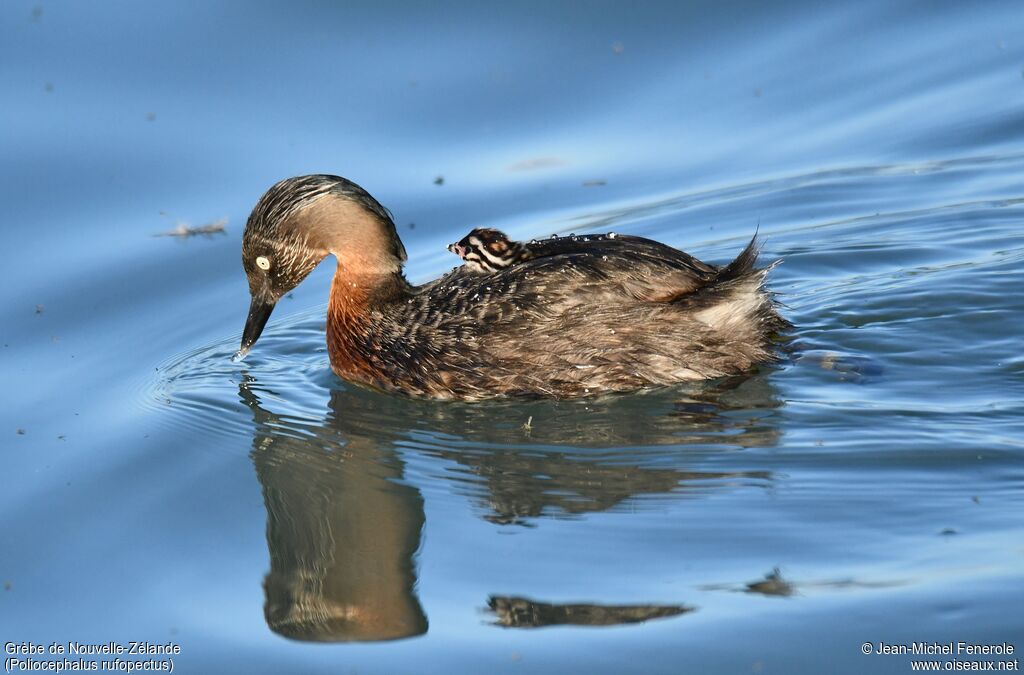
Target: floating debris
column 21, row 432
column 150, row 116
column 439, row 180
column 772, row 584
column 39, row 309
column 528, row 425
column 207, row 230
column 618, row 47
column 535, row 163
column 597, row 182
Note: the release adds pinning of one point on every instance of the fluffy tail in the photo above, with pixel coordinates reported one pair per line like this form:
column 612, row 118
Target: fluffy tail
column 736, row 296
column 742, row 266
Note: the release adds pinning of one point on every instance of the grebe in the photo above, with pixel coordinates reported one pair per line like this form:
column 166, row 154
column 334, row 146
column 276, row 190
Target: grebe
column 582, row 316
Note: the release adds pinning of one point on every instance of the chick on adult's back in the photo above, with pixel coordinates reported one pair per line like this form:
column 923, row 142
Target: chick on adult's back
column 600, row 314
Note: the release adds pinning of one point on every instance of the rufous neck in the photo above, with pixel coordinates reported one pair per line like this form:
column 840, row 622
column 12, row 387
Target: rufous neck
column 356, row 292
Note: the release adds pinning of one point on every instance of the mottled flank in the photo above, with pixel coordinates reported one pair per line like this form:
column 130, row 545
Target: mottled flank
column 580, row 316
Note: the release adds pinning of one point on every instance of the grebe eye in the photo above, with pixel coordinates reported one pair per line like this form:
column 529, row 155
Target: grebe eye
column 263, row 262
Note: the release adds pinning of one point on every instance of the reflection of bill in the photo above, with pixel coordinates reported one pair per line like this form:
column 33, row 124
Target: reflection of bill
column 514, row 612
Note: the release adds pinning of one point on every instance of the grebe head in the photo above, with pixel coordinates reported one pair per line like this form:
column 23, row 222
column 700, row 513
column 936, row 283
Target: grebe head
column 296, row 224
column 485, row 250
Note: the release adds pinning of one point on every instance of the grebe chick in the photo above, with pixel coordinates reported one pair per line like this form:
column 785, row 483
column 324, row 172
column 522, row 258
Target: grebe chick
column 488, row 250
column 596, row 315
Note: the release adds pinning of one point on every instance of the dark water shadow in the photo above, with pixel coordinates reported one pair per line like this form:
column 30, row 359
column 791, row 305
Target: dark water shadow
column 344, row 523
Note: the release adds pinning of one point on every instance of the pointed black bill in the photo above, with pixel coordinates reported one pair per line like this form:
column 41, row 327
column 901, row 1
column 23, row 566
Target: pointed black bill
column 259, row 312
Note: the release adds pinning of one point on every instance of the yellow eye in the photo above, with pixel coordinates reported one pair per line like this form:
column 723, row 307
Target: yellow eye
column 263, row 262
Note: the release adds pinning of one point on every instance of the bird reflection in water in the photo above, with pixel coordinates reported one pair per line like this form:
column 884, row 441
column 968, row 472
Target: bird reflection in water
column 525, row 613
column 343, row 532
column 343, row 527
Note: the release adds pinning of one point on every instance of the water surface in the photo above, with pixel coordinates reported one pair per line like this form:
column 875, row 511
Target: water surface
column 268, row 517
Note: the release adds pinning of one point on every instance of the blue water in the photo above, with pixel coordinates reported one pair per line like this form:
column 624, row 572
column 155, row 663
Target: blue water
column 870, row 488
